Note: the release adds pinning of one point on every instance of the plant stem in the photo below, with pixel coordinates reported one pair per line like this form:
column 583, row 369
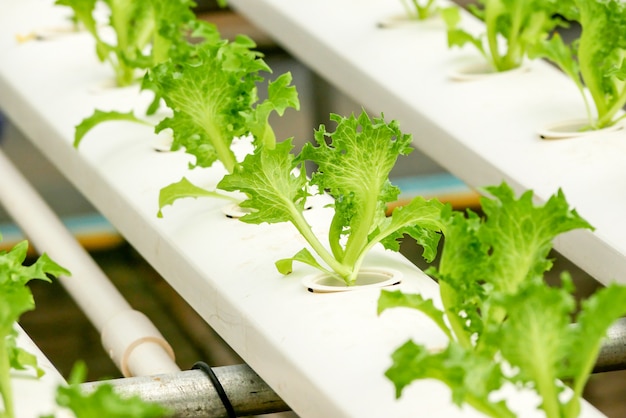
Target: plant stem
column 588, row 72
column 511, row 59
column 297, row 219
column 548, row 391
column 572, row 408
column 224, row 153
column 492, row 10
column 334, row 236
column 124, row 75
column 449, row 298
column 357, row 240
column 5, row 379
column 607, row 118
column 423, row 12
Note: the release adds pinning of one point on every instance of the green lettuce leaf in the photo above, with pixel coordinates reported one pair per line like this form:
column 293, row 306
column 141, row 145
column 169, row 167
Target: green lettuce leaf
column 471, row 378
column 519, row 23
column 596, row 59
column 213, row 95
column 16, row 299
column 98, row 117
column 535, row 339
column 146, row 32
column 394, row 299
column 281, row 96
column 500, row 312
column 360, row 191
column 520, row 234
column 184, row 189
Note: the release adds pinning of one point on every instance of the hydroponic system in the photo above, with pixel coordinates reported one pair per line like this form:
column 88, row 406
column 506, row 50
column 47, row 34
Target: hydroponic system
column 291, row 256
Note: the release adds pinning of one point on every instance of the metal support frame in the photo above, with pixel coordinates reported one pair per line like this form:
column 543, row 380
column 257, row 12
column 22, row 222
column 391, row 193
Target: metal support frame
column 612, row 356
column 191, row 394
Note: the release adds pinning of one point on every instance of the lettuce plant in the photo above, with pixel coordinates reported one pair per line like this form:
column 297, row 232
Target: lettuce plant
column 353, row 165
column 419, row 10
column 213, row 96
column 182, row 48
column 512, row 27
column 15, row 299
column 210, row 86
column 505, row 324
column 143, row 31
column 596, row 59
column 213, row 93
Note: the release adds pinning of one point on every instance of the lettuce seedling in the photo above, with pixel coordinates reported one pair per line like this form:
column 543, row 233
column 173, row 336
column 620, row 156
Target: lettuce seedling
column 419, row 10
column 144, row 31
column 512, row 26
column 212, row 95
column 353, row 165
column 181, row 48
column 505, row 324
column 210, row 86
column 596, row 59
column 103, row 401
column 15, row 299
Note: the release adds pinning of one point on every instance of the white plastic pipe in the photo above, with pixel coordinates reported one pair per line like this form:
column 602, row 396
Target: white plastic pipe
column 132, row 341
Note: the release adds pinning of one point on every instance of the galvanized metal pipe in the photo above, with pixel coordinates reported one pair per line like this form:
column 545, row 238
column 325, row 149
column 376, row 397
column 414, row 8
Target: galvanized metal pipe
column 612, row 355
column 191, row 394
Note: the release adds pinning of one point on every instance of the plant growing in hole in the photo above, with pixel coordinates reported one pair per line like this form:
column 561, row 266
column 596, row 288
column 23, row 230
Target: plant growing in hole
column 144, row 31
column 182, row 47
column 15, row 299
column 214, row 99
column 211, row 89
column 512, row 26
column 353, row 165
column 103, row 401
column 596, row 59
column 505, row 324
column 419, row 10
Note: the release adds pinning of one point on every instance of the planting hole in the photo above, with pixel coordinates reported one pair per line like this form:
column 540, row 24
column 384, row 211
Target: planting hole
column 481, row 70
column 573, row 128
column 234, row 211
column 367, row 278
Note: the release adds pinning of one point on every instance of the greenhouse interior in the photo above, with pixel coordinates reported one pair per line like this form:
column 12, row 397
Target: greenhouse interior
column 331, row 208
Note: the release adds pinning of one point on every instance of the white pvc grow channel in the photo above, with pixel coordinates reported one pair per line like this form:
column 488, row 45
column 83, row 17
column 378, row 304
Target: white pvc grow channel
column 483, row 131
column 323, row 354
column 27, row 388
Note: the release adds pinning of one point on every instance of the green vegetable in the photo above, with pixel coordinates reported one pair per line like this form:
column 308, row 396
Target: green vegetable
column 144, row 31
column 212, row 95
column 180, row 49
column 501, row 314
column 103, row 401
column 353, row 167
column 512, row 27
column 99, row 117
column 596, row 59
column 184, row 189
column 15, row 299
column 419, row 10
column 211, row 87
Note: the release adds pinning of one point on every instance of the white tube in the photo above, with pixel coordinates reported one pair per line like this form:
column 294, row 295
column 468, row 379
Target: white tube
column 88, row 286
column 129, row 337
